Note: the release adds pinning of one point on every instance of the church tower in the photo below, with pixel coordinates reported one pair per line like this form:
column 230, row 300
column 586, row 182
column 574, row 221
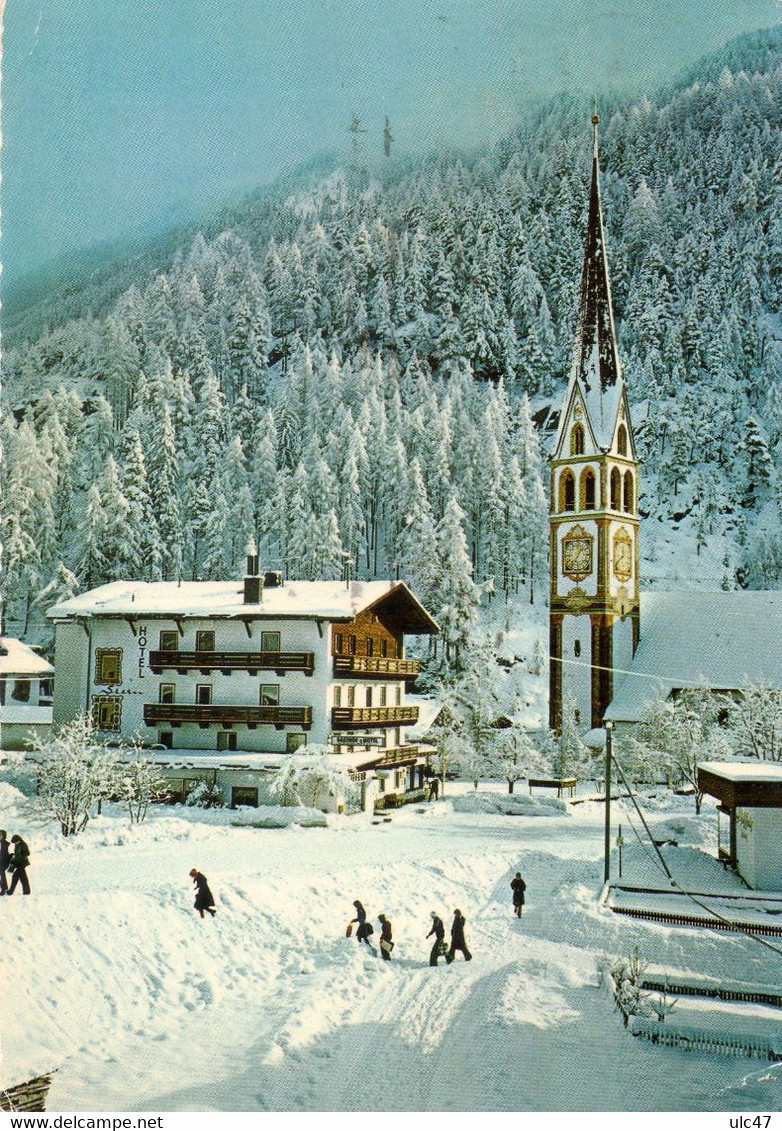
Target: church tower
column 594, row 610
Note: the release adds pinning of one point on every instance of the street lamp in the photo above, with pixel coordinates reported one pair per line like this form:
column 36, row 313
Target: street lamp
column 609, row 726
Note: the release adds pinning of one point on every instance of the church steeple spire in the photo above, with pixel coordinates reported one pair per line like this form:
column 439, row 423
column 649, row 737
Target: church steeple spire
column 596, row 360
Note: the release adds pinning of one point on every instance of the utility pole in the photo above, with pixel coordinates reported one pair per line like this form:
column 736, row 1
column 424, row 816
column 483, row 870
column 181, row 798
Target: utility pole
column 609, row 727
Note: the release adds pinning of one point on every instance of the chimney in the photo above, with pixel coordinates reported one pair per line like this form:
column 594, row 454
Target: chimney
column 253, row 585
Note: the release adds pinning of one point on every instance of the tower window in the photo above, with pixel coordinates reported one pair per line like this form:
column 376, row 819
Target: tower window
column 621, row 440
column 628, row 496
column 588, row 489
column 567, row 491
column 616, row 490
column 577, row 440
column 576, row 648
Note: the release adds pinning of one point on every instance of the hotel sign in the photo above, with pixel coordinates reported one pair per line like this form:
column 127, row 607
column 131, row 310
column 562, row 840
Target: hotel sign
column 350, row 738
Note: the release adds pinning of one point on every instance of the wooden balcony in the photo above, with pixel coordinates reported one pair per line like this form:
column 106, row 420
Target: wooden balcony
column 377, row 666
column 373, row 716
column 211, row 714
column 227, row 662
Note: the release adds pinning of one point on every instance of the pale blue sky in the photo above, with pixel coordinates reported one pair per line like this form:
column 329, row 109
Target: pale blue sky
column 122, row 113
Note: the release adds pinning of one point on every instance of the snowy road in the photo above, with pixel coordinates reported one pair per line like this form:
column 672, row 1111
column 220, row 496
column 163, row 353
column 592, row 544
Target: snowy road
column 270, row 1007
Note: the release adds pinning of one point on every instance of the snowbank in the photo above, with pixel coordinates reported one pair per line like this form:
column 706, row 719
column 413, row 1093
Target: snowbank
column 509, row 805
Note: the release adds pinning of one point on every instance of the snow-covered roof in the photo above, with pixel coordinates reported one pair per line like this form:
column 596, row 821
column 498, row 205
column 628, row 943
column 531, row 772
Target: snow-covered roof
column 718, row 640
column 18, row 658
column 755, row 771
column 332, row 600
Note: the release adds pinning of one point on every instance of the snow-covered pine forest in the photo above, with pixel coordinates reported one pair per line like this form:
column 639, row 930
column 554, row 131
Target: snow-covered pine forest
column 345, row 368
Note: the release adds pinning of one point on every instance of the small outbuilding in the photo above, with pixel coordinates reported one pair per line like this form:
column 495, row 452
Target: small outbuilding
column 26, row 680
column 750, row 800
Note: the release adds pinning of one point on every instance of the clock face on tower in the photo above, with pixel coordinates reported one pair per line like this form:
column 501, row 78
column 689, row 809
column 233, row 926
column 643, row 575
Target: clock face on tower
column 623, row 555
column 577, row 554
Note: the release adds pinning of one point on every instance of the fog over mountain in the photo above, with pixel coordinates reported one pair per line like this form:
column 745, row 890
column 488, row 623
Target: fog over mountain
column 125, row 118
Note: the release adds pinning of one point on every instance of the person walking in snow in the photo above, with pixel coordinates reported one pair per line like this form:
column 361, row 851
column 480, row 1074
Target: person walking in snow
column 364, row 928
column 204, row 900
column 386, row 940
column 519, row 887
column 457, row 938
column 438, row 949
column 5, row 858
column 20, row 861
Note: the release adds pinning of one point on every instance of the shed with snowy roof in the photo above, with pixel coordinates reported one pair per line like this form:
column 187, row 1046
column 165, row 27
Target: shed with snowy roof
column 750, row 798
column 25, row 694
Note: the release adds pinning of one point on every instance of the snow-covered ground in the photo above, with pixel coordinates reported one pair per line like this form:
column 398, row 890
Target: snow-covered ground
column 114, row 981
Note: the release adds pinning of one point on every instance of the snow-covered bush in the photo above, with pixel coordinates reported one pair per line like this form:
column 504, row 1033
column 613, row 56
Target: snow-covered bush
column 627, row 974
column 140, row 783
column 206, row 795
column 306, row 779
column 76, row 772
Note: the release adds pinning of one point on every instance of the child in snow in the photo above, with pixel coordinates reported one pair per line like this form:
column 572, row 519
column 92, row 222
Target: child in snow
column 20, row 861
column 438, row 949
column 364, row 928
column 386, row 941
column 204, row 900
column 457, row 938
column 519, row 887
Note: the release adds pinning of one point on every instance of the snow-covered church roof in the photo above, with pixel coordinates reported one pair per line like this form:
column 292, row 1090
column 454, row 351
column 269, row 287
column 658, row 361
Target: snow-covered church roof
column 330, row 600
column 719, row 640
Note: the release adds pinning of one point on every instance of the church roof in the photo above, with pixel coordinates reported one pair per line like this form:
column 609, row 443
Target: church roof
column 718, row 640
column 596, row 370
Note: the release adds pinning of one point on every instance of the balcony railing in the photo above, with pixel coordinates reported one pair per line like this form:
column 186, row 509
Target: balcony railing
column 377, row 666
column 209, row 714
column 251, row 662
column 374, row 716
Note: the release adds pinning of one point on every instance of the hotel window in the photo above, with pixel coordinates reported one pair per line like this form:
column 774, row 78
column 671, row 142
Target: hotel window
column 270, row 694
column 294, row 742
column 270, row 641
column 226, row 740
column 337, row 643
column 369, row 697
column 337, row 696
column 165, row 738
column 384, row 647
column 351, row 696
column 398, row 696
column 166, row 693
column 370, row 646
column 352, row 645
column 383, row 696
column 203, row 694
column 108, row 665
column 205, row 641
column 106, row 712
column 169, row 641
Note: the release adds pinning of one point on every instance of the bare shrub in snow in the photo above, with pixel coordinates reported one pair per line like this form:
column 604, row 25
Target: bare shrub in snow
column 76, row 773
column 140, row 783
column 627, row 973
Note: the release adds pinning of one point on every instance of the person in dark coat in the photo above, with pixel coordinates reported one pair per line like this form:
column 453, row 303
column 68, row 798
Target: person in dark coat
column 204, row 900
column 457, row 938
column 364, row 931
column 19, row 864
column 386, row 939
column 519, row 887
column 5, row 859
column 438, row 949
